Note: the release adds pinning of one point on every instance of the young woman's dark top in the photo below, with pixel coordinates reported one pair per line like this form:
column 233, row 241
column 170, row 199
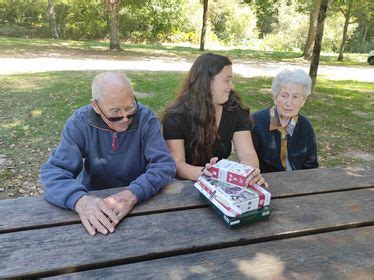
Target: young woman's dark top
column 179, row 126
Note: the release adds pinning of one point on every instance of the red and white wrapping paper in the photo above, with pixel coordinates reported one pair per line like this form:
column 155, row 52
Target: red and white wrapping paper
column 232, row 172
column 238, row 198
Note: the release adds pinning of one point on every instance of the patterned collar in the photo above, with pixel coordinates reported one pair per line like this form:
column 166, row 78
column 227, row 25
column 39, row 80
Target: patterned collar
column 289, row 129
column 276, row 125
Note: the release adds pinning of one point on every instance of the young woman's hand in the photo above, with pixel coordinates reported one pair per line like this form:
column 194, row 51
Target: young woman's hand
column 205, row 170
column 258, row 179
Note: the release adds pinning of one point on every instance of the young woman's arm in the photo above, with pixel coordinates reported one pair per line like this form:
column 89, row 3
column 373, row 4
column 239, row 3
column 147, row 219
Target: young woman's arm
column 185, row 170
column 244, row 148
column 247, row 154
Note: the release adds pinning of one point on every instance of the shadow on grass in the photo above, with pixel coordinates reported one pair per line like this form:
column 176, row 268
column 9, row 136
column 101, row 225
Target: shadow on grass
column 20, row 47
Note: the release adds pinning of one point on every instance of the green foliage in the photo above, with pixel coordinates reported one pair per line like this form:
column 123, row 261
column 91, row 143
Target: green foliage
column 154, row 21
column 232, row 24
column 291, row 31
column 262, row 25
column 79, row 23
column 333, row 32
column 359, row 14
column 267, row 14
column 23, row 12
column 362, row 39
column 23, row 17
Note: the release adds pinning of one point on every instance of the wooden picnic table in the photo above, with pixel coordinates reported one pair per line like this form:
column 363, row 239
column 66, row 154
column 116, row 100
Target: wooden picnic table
column 321, row 227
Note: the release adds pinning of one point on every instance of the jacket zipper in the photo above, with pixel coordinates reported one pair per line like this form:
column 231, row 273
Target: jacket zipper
column 114, row 142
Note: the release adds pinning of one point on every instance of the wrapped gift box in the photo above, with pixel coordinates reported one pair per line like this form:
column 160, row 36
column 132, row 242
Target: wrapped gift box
column 264, row 195
column 237, row 198
column 243, row 219
column 232, row 172
column 221, row 204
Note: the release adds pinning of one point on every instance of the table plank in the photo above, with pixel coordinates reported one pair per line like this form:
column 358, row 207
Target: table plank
column 34, row 212
column 346, row 254
column 28, row 213
column 64, row 249
column 320, row 180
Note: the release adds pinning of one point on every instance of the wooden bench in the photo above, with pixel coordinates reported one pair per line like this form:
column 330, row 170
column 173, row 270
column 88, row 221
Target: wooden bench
column 322, row 226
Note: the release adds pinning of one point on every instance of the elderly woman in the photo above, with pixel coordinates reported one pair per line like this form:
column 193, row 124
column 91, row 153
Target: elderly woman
column 284, row 139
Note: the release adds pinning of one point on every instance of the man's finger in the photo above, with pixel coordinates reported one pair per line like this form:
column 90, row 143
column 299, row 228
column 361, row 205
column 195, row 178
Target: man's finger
column 88, row 226
column 99, row 227
column 104, row 220
column 123, row 212
column 107, row 211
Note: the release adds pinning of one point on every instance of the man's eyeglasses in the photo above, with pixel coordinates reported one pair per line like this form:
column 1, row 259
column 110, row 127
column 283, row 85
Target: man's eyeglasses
column 120, row 118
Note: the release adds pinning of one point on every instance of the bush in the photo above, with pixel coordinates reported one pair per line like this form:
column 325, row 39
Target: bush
column 232, row 24
column 333, row 32
column 291, row 31
column 79, row 22
column 154, row 21
column 23, row 18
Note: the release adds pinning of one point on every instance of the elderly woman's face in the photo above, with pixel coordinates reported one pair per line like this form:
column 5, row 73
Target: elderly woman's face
column 289, row 100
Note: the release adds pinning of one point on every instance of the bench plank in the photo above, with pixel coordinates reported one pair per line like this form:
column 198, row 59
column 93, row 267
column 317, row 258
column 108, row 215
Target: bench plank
column 181, row 194
column 64, row 249
column 347, row 254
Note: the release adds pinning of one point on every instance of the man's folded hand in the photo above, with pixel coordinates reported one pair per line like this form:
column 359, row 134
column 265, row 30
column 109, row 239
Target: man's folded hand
column 96, row 215
column 121, row 203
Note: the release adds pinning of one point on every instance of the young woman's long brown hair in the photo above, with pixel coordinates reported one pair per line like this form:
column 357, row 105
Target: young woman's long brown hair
column 195, row 99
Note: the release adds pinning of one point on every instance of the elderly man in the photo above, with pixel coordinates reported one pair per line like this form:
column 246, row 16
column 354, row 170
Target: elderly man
column 113, row 142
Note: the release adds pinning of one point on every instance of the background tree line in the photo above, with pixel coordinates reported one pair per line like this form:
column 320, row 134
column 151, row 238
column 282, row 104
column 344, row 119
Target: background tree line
column 258, row 24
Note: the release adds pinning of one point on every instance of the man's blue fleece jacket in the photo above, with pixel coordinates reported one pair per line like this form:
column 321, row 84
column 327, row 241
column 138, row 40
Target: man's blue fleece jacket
column 91, row 156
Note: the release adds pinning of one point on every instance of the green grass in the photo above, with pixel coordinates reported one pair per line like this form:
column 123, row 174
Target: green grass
column 20, row 46
column 35, row 107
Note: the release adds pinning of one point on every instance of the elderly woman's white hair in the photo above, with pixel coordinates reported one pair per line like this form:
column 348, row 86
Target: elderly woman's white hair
column 288, row 76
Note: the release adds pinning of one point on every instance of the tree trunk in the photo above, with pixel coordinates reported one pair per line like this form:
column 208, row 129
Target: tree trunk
column 317, row 43
column 346, row 23
column 313, row 19
column 52, row 19
column 365, row 33
column 113, row 9
column 203, row 29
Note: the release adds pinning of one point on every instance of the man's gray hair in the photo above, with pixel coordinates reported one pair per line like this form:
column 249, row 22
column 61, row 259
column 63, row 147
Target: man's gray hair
column 288, row 76
column 99, row 81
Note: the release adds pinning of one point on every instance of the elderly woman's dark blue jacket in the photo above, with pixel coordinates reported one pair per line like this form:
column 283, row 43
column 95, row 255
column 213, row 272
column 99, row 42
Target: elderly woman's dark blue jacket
column 301, row 147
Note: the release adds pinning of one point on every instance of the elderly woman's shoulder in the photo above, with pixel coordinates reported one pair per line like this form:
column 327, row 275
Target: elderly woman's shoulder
column 261, row 119
column 303, row 119
column 261, row 114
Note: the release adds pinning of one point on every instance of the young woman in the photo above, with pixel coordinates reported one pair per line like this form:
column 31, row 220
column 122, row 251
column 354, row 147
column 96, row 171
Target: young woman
column 205, row 117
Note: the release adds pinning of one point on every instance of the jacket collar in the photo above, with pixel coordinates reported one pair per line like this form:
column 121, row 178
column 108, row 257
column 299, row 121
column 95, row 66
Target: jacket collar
column 276, row 125
column 96, row 121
